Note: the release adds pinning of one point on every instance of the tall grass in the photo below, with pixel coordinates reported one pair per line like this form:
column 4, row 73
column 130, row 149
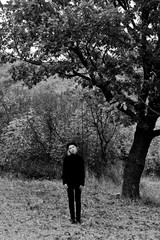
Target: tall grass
column 150, row 190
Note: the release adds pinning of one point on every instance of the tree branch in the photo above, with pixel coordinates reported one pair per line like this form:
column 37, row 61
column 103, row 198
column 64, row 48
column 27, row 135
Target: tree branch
column 36, row 136
column 80, row 55
column 127, row 111
column 122, row 3
column 91, row 59
column 31, row 61
column 81, row 75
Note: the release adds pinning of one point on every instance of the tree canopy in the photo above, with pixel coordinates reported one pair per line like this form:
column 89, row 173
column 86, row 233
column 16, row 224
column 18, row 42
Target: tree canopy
column 84, row 39
column 111, row 44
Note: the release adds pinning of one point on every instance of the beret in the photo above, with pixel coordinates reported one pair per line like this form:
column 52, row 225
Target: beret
column 71, row 143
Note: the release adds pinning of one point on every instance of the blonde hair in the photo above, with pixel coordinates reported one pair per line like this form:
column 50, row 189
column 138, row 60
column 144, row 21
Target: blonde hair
column 68, row 153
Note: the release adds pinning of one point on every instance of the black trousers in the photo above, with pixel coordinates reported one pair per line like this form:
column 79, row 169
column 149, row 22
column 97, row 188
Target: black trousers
column 74, row 196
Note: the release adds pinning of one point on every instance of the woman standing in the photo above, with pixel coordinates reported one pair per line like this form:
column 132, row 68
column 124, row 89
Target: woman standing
column 73, row 179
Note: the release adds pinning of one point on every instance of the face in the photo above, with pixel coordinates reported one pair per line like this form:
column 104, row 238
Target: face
column 72, row 149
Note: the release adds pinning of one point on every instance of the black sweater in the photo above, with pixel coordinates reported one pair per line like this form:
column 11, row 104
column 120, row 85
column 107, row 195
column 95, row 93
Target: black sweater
column 73, row 170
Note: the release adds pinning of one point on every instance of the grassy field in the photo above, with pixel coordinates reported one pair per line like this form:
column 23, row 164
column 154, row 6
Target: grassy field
column 39, row 210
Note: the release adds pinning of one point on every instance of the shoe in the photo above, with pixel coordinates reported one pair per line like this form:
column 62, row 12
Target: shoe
column 73, row 221
column 79, row 221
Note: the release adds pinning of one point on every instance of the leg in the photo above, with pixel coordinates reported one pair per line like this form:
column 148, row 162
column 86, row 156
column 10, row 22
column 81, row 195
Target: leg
column 71, row 202
column 78, row 203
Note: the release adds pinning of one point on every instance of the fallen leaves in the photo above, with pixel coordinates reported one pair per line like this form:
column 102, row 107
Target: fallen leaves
column 39, row 210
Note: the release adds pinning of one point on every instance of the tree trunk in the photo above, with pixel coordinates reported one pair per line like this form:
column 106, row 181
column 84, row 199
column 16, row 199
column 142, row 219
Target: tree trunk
column 135, row 162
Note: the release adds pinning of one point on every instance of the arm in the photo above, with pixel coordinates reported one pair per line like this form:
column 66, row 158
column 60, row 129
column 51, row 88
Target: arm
column 64, row 172
column 82, row 178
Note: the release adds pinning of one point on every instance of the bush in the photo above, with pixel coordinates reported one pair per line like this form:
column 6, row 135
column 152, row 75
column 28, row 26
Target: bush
column 24, row 149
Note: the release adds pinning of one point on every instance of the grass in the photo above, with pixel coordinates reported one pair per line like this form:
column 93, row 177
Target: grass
column 150, row 191
column 39, row 210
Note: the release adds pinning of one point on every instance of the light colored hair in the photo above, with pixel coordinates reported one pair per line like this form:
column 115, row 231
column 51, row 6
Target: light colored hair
column 68, row 153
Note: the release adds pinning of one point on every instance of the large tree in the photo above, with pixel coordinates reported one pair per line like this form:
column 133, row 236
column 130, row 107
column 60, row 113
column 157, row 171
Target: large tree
column 112, row 44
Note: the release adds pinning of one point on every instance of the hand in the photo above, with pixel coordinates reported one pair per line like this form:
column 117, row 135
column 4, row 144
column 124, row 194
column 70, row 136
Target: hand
column 81, row 187
column 65, row 186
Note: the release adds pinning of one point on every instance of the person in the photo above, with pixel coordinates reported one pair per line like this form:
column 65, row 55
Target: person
column 73, row 179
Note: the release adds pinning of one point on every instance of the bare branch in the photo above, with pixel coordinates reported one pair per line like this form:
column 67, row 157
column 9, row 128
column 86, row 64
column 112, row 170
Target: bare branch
column 36, row 135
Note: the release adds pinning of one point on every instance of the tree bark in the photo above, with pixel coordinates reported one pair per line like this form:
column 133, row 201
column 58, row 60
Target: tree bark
column 135, row 162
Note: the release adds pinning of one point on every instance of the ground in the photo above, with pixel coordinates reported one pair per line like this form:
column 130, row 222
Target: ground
column 39, row 210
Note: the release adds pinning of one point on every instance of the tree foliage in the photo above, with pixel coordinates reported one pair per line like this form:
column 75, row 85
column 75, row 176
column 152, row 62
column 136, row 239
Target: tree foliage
column 111, row 44
column 73, row 39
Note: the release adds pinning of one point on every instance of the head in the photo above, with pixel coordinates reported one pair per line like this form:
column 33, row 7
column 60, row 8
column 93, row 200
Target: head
column 72, row 148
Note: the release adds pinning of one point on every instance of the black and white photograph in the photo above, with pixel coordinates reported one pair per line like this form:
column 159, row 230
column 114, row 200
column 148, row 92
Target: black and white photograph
column 79, row 119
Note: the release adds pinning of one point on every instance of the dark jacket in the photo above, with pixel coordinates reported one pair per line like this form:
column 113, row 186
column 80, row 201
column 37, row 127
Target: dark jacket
column 73, row 170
